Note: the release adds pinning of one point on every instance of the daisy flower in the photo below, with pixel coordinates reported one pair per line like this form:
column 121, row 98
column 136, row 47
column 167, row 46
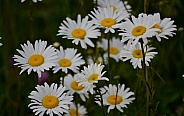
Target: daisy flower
column 115, row 97
column 50, row 100
column 68, row 59
column 166, row 26
column 35, row 1
column 107, row 18
column 36, row 58
column 80, row 109
column 115, row 47
column 115, row 4
column 1, row 43
column 138, row 28
column 80, row 31
column 134, row 54
column 73, row 86
column 91, row 75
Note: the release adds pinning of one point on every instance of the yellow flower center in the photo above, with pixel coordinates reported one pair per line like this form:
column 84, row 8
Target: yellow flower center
column 50, row 102
column 64, row 62
column 113, row 99
column 36, row 60
column 92, row 78
column 137, row 53
column 108, row 22
column 79, row 33
column 158, row 27
column 73, row 112
column 139, row 30
column 75, row 86
column 114, row 50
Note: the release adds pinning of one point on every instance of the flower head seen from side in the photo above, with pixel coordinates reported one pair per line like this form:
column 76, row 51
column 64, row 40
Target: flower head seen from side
column 91, row 75
column 73, row 86
column 134, row 54
column 68, row 59
column 115, row 98
column 79, row 31
column 80, row 110
column 137, row 28
column 115, row 47
column 107, row 19
column 91, row 59
column 36, row 58
column 1, row 43
column 165, row 25
column 49, row 100
column 127, row 6
column 117, row 5
column 35, row 1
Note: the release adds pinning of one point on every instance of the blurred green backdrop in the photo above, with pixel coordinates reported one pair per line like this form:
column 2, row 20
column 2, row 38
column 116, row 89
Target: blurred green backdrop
column 16, row 27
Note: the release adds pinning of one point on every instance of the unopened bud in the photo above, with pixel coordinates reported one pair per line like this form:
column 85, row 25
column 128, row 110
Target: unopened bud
column 56, row 44
column 180, row 29
column 116, row 77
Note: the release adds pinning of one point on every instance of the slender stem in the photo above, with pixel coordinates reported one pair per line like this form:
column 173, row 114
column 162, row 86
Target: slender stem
column 31, row 20
column 145, row 73
column 145, row 68
column 108, row 52
column 145, row 6
column 76, row 102
column 116, row 100
column 101, row 101
column 96, row 3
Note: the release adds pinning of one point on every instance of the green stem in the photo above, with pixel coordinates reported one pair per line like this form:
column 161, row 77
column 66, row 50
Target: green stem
column 31, row 20
column 108, row 52
column 76, row 101
column 101, row 101
column 145, row 74
column 116, row 99
column 145, row 6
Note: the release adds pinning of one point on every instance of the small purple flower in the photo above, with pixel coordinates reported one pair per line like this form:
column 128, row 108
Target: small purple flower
column 44, row 78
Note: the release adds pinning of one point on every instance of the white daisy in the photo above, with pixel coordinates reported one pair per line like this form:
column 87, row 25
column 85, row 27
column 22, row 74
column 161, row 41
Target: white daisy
column 138, row 28
column 35, row 1
column 1, row 43
column 68, row 59
column 50, row 100
column 36, row 58
column 107, row 18
column 80, row 109
column 80, row 31
column 115, row 4
column 134, row 53
column 115, row 98
column 91, row 75
column 115, row 47
column 73, row 86
column 166, row 26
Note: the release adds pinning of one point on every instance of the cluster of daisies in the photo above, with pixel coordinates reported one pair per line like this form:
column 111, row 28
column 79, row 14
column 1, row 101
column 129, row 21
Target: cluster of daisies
column 111, row 16
column 59, row 99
